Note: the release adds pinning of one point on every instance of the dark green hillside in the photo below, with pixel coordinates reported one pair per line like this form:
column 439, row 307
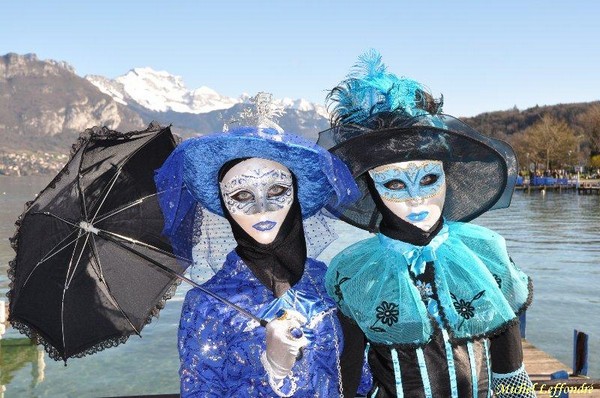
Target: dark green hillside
column 506, row 123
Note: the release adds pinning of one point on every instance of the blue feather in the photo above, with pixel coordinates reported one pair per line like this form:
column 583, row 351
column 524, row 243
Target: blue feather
column 369, row 89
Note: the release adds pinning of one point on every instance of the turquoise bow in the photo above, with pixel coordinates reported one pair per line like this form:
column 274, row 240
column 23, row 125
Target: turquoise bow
column 418, row 257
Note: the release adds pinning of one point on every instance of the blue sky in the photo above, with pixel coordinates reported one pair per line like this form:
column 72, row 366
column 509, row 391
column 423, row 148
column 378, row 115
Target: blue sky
column 482, row 55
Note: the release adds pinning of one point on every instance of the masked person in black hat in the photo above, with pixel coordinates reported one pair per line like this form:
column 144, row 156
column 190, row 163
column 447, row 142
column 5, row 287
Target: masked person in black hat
column 270, row 187
column 437, row 298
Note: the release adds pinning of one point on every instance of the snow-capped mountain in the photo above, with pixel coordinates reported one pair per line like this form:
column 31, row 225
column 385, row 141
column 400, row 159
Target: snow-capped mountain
column 159, row 91
column 303, row 105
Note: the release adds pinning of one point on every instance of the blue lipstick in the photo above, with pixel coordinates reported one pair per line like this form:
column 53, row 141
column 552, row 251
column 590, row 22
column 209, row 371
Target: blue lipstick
column 415, row 217
column 264, row 225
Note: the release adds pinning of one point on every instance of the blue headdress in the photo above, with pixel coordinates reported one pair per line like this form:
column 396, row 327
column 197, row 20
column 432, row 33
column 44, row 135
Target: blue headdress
column 379, row 118
column 188, row 182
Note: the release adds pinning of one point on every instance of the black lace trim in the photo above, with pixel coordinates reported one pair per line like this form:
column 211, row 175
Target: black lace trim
column 14, row 243
column 104, row 133
column 53, row 353
column 161, row 303
column 527, row 302
column 410, row 346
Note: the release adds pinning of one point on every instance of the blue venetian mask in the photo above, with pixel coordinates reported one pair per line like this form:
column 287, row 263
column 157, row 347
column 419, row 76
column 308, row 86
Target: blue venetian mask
column 414, row 181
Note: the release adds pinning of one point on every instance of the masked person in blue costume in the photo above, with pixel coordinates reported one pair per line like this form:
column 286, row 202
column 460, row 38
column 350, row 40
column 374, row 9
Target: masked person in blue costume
column 437, row 299
column 270, row 187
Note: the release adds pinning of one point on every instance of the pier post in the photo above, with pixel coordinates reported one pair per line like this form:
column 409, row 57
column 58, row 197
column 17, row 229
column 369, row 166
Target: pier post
column 580, row 353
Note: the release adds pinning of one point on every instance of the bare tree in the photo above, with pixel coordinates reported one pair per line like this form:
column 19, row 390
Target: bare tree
column 550, row 141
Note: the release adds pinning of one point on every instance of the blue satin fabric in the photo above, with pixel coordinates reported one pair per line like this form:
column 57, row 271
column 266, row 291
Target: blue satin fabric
column 479, row 289
column 220, row 349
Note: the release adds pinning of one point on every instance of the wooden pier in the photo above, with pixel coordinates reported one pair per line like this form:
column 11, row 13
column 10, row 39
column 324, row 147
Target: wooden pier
column 546, row 188
column 541, row 366
column 583, row 189
column 588, row 188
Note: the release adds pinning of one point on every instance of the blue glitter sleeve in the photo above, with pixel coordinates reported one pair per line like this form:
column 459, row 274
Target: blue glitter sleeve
column 202, row 350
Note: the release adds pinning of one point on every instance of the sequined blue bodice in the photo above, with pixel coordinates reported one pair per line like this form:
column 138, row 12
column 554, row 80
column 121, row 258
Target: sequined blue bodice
column 220, row 349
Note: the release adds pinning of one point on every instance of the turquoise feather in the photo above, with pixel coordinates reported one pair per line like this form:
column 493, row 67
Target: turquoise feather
column 370, row 89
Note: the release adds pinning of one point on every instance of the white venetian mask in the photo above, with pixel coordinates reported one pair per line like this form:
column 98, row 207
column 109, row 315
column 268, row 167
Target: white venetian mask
column 258, row 193
column 415, row 191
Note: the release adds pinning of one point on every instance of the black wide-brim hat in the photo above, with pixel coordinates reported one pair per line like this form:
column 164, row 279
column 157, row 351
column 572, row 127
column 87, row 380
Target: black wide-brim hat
column 480, row 171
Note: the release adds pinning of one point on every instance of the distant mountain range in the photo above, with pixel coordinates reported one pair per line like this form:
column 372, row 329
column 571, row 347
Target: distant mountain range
column 44, row 105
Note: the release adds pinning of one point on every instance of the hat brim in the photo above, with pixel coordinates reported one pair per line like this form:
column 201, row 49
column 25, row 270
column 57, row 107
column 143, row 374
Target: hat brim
column 480, row 171
column 320, row 176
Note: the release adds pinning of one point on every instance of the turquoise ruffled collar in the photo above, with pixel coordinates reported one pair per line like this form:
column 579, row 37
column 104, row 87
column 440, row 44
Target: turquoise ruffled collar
column 479, row 290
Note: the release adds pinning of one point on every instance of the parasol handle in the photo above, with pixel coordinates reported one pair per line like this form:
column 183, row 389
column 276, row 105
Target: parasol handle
column 242, row 311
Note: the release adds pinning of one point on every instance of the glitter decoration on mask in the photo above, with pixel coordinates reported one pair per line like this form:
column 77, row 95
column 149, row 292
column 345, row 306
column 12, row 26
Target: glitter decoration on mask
column 258, row 191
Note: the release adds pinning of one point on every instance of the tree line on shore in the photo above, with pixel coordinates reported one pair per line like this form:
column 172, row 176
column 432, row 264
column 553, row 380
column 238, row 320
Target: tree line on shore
column 564, row 136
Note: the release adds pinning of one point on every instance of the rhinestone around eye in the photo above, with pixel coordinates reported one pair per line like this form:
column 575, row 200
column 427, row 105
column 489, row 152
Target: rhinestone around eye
column 392, row 199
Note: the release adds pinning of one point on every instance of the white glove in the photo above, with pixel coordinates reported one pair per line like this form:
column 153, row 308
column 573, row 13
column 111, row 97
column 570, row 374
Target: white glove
column 284, row 341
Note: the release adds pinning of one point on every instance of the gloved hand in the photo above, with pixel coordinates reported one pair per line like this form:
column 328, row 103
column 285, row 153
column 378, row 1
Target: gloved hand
column 284, row 341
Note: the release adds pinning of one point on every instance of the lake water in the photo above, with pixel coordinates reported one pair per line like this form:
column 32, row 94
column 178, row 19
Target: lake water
column 555, row 238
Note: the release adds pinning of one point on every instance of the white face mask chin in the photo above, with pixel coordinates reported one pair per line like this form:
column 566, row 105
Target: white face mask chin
column 258, row 193
column 415, row 191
